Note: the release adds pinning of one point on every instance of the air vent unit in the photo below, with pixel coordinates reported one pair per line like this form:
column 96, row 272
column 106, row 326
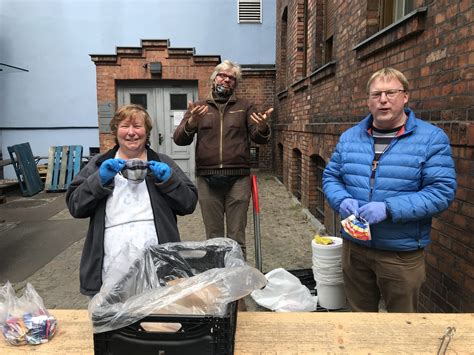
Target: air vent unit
column 250, row 11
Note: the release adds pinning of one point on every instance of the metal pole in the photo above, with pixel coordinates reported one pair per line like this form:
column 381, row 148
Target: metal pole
column 256, row 224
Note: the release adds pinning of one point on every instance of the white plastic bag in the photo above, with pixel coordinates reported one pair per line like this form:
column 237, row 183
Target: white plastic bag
column 285, row 293
column 25, row 319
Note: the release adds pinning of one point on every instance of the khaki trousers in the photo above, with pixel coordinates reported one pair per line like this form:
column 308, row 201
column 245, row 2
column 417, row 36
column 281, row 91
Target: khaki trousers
column 370, row 274
column 234, row 204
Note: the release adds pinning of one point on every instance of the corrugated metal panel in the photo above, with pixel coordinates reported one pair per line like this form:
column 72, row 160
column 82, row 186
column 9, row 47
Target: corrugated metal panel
column 250, row 11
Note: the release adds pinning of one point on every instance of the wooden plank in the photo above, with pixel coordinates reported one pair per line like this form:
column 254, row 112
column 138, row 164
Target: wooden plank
column 49, row 174
column 56, row 164
column 78, row 159
column 63, row 169
column 351, row 333
column 74, row 336
column 70, row 164
column 268, row 333
column 74, row 163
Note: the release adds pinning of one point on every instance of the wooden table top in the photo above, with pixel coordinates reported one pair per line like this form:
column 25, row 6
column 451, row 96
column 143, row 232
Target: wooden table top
column 267, row 333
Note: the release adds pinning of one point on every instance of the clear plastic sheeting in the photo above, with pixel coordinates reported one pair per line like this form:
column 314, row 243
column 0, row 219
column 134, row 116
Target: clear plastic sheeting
column 187, row 278
column 285, row 293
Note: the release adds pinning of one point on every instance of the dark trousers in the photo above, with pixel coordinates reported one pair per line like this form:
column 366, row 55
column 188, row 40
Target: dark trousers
column 371, row 273
column 233, row 203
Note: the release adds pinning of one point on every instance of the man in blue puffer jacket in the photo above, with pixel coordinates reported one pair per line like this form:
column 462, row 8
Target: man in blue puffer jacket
column 396, row 172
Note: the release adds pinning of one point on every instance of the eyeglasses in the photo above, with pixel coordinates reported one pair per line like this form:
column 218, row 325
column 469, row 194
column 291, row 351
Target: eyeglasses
column 224, row 76
column 391, row 94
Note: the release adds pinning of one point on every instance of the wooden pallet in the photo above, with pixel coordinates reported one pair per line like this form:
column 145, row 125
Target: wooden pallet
column 43, row 171
column 25, row 168
column 64, row 162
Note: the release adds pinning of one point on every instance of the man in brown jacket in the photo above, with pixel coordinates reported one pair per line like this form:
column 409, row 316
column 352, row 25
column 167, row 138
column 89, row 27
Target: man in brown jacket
column 223, row 124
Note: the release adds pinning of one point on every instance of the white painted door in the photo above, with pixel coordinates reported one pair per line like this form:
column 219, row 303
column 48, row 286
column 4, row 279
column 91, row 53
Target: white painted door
column 166, row 105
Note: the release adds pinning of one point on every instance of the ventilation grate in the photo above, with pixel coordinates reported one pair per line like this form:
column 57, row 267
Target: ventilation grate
column 250, row 11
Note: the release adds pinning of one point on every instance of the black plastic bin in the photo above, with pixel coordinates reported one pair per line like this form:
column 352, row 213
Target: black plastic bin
column 199, row 335
column 206, row 335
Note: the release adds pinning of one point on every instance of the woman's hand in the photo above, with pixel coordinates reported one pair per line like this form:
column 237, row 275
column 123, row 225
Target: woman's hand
column 109, row 169
column 162, row 171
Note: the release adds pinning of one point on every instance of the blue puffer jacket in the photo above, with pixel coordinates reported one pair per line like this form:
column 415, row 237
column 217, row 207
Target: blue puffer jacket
column 415, row 178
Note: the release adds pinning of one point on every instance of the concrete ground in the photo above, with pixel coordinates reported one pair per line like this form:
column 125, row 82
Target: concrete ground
column 286, row 234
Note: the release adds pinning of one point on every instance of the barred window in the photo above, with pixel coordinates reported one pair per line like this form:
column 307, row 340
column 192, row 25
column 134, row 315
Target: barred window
column 316, row 200
column 296, row 174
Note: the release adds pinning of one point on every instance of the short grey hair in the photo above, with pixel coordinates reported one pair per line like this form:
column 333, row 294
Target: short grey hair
column 227, row 64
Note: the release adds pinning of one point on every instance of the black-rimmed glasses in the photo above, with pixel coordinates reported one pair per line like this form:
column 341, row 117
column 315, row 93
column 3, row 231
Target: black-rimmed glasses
column 391, row 94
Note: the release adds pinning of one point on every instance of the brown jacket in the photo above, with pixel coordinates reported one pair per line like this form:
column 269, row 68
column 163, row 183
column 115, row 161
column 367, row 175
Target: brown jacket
column 222, row 140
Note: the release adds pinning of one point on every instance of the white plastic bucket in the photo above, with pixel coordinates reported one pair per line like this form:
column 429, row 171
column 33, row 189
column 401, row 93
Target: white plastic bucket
column 327, row 269
column 331, row 296
column 334, row 249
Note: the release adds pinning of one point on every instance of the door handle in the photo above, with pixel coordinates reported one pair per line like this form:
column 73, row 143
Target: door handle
column 160, row 138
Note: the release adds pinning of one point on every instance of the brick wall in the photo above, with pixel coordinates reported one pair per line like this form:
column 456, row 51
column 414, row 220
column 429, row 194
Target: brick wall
column 129, row 63
column 433, row 47
column 258, row 86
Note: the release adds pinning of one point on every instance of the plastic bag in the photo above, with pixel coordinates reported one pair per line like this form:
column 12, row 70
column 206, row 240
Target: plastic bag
column 285, row 293
column 25, row 320
column 190, row 278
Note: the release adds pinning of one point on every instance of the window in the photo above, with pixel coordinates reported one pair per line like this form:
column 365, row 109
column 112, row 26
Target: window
column 249, row 11
column 254, row 157
column 282, row 72
column 296, row 174
column 279, row 162
column 393, row 10
column 316, row 195
column 139, row 99
column 330, row 11
column 178, row 102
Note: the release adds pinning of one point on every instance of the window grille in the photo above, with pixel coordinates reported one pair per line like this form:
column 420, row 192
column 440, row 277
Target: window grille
column 297, row 174
column 254, row 157
column 317, row 203
column 249, row 11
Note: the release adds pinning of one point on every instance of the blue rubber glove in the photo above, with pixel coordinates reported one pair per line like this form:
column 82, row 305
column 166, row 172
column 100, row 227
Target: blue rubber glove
column 348, row 206
column 162, row 171
column 109, row 168
column 373, row 212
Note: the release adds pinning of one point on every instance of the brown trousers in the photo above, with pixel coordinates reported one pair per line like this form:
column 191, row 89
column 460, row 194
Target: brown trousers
column 234, row 204
column 370, row 274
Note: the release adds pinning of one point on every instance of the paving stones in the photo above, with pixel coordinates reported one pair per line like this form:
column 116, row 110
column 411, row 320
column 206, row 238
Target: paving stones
column 286, row 234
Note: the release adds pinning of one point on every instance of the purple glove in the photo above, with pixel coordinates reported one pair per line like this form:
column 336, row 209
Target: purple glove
column 348, row 206
column 109, row 168
column 373, row 212
column 162, row 171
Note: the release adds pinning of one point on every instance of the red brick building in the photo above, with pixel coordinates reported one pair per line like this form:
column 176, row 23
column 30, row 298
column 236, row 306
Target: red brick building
column 326, row 51
column 163, row 79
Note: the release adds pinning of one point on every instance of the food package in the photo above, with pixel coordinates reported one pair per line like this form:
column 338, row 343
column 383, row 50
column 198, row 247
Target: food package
column 25, row 320
column 357, row 227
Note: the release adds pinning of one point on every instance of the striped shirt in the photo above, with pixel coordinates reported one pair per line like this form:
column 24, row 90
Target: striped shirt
column 382, row 140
